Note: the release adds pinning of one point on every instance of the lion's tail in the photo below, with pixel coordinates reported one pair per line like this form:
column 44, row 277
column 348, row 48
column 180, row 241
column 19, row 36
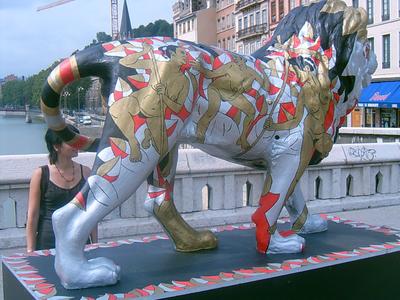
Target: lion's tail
column 85, row 63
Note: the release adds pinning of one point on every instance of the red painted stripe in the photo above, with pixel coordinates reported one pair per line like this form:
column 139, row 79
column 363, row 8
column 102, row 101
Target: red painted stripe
column 117, row 151
column 138, row 84
column 232, row 112
column 66, row 71
column 137, row 122
column 81, row 199
column 80, row 143
column 206, row 58
column 281, row 116
column 263, row 236
column 171, row 130
column 259, row 102
column 110, row 178
column 273, row 89
column 289, row 107
column 252, row 92
column 118, row 95
column 108, row 47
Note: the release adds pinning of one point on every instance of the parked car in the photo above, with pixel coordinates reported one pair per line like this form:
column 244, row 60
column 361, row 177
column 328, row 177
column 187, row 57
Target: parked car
column 86, row 120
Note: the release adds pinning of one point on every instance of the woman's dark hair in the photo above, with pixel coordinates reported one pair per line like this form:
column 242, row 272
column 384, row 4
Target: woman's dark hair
column 52, row 139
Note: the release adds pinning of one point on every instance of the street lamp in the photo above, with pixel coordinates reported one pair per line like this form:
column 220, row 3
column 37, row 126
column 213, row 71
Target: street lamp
column 78, row 89
column 64, row 95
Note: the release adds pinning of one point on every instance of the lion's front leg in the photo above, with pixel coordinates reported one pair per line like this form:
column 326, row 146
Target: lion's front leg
column 289, row 157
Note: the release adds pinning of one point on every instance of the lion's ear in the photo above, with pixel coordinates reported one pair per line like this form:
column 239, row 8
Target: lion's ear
column 355, row 20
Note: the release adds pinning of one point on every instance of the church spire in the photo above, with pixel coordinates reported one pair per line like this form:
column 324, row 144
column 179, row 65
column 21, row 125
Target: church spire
column 126, row 31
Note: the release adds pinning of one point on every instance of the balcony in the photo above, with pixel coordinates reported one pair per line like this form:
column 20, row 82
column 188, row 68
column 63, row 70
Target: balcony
column 246, row 3
column 252, row 31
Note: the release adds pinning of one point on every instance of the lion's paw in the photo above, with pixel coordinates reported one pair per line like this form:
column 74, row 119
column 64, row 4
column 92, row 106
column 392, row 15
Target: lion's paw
column 95, row 272
column 314, row 224
column 290, row 244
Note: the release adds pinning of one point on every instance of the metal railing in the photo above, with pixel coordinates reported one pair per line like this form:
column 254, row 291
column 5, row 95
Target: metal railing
column 245, row 3
column 252, row 30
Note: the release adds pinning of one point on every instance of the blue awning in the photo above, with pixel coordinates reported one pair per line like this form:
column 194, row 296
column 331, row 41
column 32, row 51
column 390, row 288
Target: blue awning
column 381, row 94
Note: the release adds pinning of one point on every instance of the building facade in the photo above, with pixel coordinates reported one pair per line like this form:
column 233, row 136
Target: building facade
column 226, row 33
column 252, row 27
column 380, row 102
column 195, row 20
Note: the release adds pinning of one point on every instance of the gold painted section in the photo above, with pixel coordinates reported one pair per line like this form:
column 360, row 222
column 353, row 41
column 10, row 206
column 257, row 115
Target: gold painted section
column 74, row 67
column 54, row 80
column 272, row 229
column 334, row 6
column 354, row 20
column 49, row 110
column 185, row 238
column 59, row 127
column 107, row 166
column 301, row 220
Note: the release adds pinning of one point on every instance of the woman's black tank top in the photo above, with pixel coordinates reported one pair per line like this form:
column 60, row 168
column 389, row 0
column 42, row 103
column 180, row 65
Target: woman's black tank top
column 52, row 197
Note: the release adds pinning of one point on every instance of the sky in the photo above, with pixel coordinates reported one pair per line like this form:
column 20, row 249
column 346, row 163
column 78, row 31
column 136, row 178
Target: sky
column 31, row 41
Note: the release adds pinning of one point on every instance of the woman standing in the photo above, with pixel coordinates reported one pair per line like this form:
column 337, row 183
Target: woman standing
column 53, row 186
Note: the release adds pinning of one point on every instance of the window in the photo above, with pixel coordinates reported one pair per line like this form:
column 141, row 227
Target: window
column 193, row 24
column 258, row 18
column 281, row 9
column 385, row 10
column 188, row 25
column 240, row 24
column 372, row 44
column 292, row 4
column 218, row 25
column 223, row 23
column 386, row 52
column 251, row 20
column 355, row 3
column 228, row 43
column 370, row 11
column 219, row 44
column 245, row 22
column 264, row 16
column 240, row 49
column 228, row 21
column 223, row 44
column 273, row 11
column 233, row 20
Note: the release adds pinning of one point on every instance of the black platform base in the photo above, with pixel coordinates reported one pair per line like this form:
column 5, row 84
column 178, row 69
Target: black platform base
column 349, row 261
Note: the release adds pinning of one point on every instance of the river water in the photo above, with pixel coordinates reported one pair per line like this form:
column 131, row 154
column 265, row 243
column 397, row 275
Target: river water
column 18, row 137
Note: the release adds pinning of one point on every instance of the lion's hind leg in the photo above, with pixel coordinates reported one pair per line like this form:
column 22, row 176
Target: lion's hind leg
column 160, row 203
column 302, row 221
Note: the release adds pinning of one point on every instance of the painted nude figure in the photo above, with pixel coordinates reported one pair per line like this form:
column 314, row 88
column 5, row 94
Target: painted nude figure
column 278, row 110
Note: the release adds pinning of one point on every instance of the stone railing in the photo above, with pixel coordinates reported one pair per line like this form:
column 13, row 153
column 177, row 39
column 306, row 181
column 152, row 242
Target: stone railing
column 210, row 191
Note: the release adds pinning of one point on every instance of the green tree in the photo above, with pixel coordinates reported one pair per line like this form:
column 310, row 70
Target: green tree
column 158, row 28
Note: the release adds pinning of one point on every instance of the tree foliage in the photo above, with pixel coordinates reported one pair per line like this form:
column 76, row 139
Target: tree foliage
column 158, row 28
column 22, row 91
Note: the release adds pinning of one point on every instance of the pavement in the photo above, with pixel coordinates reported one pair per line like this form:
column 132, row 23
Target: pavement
column 387, row 215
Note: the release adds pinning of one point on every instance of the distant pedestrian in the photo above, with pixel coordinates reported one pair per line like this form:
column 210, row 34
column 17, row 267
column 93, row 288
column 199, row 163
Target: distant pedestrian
column 52, row 186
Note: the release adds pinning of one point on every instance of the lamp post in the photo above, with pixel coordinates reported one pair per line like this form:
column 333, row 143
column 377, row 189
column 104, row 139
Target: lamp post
column 78, row 89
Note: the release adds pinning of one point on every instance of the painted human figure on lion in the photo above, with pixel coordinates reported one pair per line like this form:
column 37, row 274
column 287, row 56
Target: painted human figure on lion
column 278, row 109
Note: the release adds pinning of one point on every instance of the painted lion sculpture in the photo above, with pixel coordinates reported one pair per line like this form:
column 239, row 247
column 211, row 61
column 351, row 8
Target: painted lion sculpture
column 278, row 109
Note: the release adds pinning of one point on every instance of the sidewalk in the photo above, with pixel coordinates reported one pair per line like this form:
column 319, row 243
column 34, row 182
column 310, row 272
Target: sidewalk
column 388, row 215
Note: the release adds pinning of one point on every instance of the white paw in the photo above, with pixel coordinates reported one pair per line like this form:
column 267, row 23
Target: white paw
column 290, row 244
column 314, row 224
column 95, row 272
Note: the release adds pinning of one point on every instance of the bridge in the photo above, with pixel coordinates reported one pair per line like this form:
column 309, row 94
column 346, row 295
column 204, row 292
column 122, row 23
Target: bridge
column 213, row 192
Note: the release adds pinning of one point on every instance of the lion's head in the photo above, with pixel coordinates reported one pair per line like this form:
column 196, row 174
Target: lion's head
column 336, row 27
